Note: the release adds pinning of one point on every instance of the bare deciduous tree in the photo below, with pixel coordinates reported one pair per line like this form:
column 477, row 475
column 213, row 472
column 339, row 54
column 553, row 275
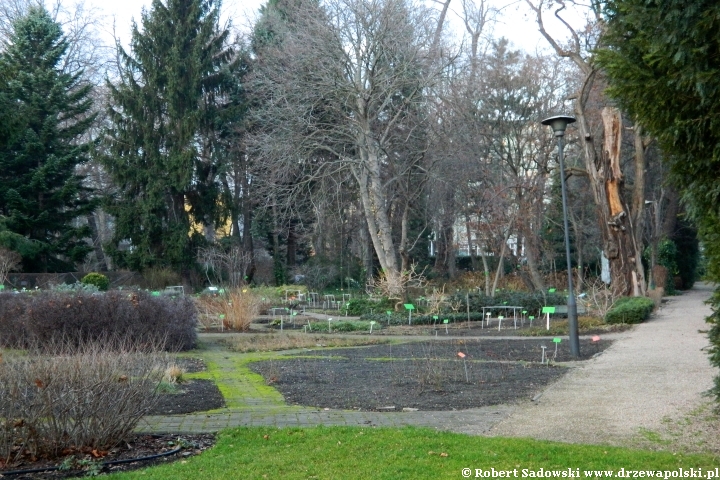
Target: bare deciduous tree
column 600, row 137
column 343, row 88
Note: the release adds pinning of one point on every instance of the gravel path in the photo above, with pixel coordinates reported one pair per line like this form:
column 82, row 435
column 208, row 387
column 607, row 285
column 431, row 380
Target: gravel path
column 657, row 371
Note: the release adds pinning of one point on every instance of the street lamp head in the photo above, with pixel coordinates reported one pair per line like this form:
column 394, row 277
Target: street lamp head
column 559, row 123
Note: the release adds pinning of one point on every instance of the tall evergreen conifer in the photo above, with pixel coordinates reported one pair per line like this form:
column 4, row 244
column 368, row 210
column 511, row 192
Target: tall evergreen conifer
column 42, row 141
column 163, row 145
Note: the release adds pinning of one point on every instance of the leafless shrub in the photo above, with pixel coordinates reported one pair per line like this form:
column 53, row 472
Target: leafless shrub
column 46, row 317
column 9, row 261
column 86, row 396
column 600, row 296
column 394, row 286
column 226, row 266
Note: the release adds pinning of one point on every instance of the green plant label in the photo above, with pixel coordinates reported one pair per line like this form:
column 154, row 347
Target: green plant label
column 435, row 317
column 372, row 322
column 389, row 312
column 557, row 340
column 2, row 287
column 532, row 317
column 409, row 306
column 552, row 290
column 155, row 294
column 222, row 316
column 294, row 313
column 548, row 310
column 446, row 321
column 524, row 312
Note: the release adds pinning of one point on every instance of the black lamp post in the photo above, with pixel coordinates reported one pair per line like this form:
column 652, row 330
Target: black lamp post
column 559, row 123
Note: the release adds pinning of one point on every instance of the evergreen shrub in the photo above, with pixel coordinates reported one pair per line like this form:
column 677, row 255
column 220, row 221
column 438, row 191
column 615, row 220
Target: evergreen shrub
column 97, row 279
column 630, row 310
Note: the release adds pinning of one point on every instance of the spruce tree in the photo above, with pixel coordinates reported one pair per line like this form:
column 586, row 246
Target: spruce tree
column 162, row 142
column 42, row 141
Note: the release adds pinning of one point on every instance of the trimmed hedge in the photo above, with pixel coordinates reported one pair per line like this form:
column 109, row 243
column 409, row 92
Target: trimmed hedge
column 46, row 317
column 630, row 310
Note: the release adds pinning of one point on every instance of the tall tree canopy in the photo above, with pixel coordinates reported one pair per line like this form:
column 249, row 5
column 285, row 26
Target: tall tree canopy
column 42, row 141
column 162, row 141
column 343, row 90
column 662, row 63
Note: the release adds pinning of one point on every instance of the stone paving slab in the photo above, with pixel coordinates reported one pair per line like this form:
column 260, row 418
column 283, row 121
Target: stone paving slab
column 474, row 421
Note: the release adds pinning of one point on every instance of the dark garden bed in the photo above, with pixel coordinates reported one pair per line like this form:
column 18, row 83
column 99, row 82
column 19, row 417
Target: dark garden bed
column 422, row 375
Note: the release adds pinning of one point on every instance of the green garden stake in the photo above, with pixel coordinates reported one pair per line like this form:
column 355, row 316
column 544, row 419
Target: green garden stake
column 371, row 326
column 2, row 287
column 522, row 323
column 547, row 311
column 446, row 321
column 435, row 319
column 531, row 318
column 389, row 314
column 409, row 307
column 556, row 341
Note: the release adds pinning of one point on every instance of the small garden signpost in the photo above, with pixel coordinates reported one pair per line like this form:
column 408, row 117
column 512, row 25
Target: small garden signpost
column 542, row 359
column 371, row 326
column 389, row 314
column 409, row 307
column 556, row 341
column 446, row 321
column 500, row 319
column 463, row 356
column 531, row 318
column 547, row 311
column 329, row 328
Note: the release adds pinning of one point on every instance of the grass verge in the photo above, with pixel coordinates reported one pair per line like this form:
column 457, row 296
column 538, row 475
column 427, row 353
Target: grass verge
column 399, row 453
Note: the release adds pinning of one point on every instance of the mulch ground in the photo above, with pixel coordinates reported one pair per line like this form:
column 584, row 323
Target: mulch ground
column 424, row 375
column 130, row 453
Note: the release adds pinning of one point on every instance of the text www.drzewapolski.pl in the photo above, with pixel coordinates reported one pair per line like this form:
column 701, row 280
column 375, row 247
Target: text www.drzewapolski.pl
column 591, row 474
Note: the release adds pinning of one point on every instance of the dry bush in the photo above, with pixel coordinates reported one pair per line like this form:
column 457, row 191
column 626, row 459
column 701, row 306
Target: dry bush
column 238, row 308
column 88, row 396
column 158, row 278
column 173, row 374
column 290, row 341
column 45, row 317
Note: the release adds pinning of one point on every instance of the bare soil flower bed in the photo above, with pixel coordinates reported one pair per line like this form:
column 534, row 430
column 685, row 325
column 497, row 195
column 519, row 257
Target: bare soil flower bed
column 89, row 463
column 422, row 375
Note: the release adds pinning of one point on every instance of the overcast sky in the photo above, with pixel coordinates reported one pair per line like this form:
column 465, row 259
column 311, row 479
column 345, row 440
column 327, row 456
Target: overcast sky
column 515, row 23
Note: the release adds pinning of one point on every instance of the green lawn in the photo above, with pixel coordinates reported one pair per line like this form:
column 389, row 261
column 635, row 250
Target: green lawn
column 399, row 453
